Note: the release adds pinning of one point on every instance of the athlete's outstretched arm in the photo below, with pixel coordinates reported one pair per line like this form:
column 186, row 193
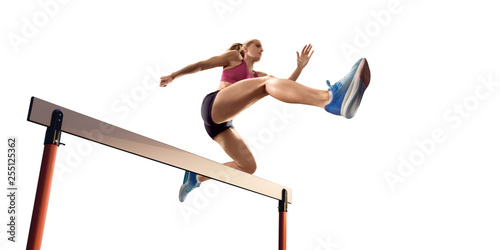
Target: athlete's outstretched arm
column 216, row 61
column 302, row 61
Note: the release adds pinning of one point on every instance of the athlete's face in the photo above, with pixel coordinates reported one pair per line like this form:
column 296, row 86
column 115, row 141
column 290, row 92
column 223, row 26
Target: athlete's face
column 255, row 50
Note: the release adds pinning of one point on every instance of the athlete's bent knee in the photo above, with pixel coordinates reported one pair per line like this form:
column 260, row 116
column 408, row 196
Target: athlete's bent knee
column 251, row 169
column 248, row 166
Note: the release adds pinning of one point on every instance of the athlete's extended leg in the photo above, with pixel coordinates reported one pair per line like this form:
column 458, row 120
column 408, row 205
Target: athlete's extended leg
column 236, row 148
column 343, row 98
column 232, row 100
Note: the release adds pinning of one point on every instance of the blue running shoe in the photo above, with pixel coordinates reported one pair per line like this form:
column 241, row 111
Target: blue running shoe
column 348, row 91
column 188, row 185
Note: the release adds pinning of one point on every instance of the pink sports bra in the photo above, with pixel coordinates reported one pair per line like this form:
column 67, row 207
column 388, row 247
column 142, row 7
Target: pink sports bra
column 237, row 73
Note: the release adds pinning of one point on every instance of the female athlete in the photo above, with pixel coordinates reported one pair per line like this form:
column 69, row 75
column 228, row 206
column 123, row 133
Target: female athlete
column 241, row 86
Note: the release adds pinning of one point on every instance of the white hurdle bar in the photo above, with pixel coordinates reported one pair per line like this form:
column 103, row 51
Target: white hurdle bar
column 58, row 119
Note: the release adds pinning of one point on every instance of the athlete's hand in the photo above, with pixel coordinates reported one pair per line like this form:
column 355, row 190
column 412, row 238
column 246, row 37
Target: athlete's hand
column 304, row 57
column 166, row 80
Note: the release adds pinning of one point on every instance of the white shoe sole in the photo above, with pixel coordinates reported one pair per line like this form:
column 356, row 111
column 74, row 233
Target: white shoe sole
column 353, row 94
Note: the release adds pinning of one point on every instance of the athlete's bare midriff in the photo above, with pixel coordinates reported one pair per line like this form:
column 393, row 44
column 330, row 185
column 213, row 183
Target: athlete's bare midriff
column 223, row 85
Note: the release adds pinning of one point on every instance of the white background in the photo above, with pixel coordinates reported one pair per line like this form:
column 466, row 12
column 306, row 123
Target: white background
column 430, row 62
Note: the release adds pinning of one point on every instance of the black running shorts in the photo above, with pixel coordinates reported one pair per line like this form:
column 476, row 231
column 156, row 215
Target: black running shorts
column 213, row 129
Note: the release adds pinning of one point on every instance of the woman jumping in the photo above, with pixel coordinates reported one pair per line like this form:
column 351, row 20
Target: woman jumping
column 241, row 86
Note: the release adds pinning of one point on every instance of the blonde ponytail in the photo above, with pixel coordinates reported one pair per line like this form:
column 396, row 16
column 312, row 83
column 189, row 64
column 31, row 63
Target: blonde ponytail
column 238, row 47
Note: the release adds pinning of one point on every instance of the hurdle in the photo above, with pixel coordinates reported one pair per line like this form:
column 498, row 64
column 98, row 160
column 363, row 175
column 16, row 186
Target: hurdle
column 58, row 119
